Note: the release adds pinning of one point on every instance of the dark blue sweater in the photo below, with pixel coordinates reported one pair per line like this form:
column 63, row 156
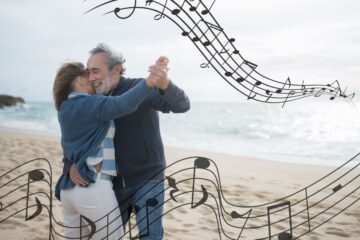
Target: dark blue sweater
column 139, row 149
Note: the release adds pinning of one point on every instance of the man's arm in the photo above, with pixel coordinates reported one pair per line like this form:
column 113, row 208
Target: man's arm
column 173, row 99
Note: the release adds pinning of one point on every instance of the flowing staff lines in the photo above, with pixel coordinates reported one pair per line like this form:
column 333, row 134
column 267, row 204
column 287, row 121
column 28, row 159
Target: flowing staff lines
column 33, row 176
column 199, row 164
column 116, row 10
column 308, row 208
column 278, row 93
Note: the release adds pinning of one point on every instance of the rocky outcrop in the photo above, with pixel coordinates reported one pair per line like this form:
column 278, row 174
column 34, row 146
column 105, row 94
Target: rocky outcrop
column 6, row 100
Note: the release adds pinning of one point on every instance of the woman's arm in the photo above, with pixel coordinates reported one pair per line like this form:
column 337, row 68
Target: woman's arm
column 110, row 107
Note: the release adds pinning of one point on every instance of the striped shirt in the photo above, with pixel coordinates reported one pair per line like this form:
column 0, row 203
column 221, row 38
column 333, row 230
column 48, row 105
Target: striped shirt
column 105, row 153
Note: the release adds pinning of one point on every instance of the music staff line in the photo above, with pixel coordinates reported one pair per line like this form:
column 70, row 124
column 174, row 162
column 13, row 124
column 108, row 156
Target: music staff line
column 242, row 58
column 220, row 205
column 251, row 90
column 326, row 187
column 295, row 93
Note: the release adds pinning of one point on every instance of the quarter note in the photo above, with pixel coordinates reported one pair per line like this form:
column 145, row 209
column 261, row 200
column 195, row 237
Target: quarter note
column 208, row 26
column 269, row 93
column 335, row 93
column 206, row 11
column 203, row 12
column 257, row 83
column 251, row 65
column 176, row 11
column 279, row 90
column 151, row 202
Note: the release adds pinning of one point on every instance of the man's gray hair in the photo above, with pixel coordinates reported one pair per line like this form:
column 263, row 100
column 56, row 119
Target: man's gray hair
column 113, row 57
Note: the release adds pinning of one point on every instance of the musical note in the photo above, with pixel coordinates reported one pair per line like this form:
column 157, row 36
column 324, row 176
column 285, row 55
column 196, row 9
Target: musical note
column 206, row 11
column 117, row 10
column 36, row 213
column 252, row 67
column 207, row 42
column 151, row 202
column 279, row 90
column 35, row 176
column 292, row 92
column 269, row 93
column 161, row 15
column 283, row 235
column 202, row 163
column 148, row 2
column 257, row 83
column 222, row 51
column 335, row 93
column 203, row 12
column 172, row 184
column 236, row 215
column 337, row 188
column 319, row 92
column 208, row 26
column 351, row 96
column 203, row 199
column 90, row 223
column 176, row 11
column 196, row 12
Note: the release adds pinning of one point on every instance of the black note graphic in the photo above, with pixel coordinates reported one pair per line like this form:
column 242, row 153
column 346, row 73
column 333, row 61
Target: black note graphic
column 199, row 163
column 283, row 235
column 34, row 176
column 172, row 184
column 151, row 202
column 90, row 223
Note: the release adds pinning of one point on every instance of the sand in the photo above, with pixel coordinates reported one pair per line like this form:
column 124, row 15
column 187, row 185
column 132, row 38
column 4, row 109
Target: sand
column 245, row 182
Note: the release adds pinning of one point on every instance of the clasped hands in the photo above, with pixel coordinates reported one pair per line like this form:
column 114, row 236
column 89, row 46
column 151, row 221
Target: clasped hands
column 158, row 74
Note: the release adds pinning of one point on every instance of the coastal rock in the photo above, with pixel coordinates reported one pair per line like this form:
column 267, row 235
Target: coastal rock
column 6, row 100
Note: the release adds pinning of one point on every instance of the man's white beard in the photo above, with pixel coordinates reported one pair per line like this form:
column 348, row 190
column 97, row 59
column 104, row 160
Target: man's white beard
column 105, row 86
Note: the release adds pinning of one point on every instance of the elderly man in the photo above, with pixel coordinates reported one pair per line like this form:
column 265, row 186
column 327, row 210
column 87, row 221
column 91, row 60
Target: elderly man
column 138, row 146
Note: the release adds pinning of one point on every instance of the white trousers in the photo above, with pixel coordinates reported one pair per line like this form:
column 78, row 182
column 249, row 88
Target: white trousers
column 97, row 203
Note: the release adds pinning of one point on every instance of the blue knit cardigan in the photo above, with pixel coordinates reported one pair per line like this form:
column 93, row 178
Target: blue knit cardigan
column 84, row 121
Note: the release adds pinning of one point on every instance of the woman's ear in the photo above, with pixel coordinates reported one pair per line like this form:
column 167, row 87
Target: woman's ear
column 80, row 80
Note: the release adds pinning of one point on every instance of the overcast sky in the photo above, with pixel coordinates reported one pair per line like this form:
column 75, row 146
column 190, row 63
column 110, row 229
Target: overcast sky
column 316, row 41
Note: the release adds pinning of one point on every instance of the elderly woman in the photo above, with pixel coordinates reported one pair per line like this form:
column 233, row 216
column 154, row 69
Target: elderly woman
column 87, row 131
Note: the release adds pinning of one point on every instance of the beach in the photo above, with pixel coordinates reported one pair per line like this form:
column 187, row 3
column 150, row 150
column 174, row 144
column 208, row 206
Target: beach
column 249, row 187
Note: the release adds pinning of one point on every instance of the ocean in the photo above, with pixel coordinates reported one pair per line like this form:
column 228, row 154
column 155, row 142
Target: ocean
column 310, row 132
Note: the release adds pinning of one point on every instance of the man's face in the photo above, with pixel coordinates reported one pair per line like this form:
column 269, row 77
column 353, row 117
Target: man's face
column 99, row 73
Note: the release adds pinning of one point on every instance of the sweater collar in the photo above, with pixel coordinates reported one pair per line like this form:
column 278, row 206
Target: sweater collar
column 77, row 94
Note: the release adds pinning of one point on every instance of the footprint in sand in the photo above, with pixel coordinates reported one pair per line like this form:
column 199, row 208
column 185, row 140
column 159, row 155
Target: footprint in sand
column 337, row 232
